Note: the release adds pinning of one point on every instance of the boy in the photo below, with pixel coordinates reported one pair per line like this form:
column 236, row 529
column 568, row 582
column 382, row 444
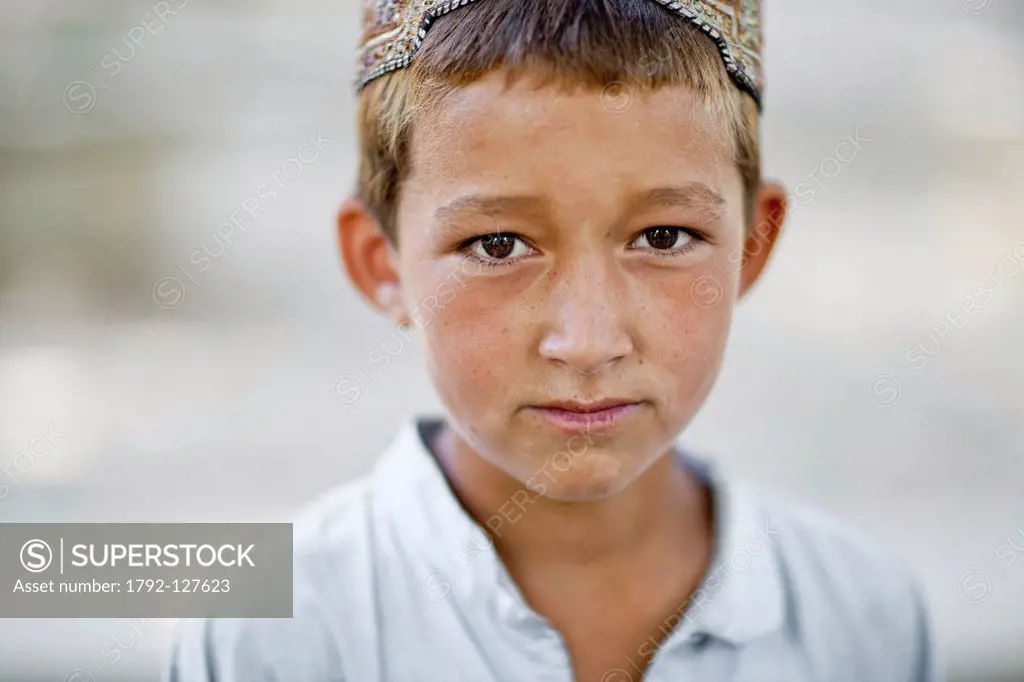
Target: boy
column 564, row 197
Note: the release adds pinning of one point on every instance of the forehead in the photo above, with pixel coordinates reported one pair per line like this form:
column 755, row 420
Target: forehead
column 574, row 146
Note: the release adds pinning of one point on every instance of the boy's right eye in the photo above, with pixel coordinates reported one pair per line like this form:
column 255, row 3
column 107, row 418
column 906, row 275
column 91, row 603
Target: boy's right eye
column 498, row 248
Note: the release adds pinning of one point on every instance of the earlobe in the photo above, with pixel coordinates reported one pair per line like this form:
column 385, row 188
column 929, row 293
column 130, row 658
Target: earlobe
column 368, row 258
column 389, row 299
column 769, row 217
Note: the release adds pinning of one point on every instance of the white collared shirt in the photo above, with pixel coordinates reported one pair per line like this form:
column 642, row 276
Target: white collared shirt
column 395, row 582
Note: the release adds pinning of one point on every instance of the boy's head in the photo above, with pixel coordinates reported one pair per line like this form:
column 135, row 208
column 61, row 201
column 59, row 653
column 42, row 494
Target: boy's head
column 565, row 196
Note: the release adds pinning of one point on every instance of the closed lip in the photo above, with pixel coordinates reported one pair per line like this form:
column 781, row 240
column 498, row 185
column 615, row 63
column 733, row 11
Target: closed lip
column 587, row 407
column 596, row 415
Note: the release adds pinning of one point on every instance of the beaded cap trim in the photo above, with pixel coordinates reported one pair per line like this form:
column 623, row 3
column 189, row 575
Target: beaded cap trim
column 393, row 31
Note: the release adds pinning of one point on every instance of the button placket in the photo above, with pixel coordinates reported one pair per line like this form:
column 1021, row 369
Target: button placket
column 531, row 633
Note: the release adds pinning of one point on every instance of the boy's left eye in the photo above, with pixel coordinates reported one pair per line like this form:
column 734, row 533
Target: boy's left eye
column 663, row 239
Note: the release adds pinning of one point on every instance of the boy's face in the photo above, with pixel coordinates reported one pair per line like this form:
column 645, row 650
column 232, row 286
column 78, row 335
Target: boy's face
column 560, row 259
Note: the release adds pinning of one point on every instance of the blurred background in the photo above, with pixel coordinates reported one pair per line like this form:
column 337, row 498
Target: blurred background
column 180, row 369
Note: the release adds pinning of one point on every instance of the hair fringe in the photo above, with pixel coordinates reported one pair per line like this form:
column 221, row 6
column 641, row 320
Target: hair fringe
column 565, row 43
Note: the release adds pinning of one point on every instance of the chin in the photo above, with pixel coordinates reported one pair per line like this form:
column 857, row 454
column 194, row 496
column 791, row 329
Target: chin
column 586, row 492
column 592, row 477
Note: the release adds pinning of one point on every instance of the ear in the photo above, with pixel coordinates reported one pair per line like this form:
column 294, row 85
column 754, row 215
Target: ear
column 769, row 216
column 370, row 259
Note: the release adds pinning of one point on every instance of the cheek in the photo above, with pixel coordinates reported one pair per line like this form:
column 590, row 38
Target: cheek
column 471, row 353
column 685, row 327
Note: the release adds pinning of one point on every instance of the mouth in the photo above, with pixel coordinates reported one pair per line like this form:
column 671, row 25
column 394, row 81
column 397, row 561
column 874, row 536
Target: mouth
column 574, row 415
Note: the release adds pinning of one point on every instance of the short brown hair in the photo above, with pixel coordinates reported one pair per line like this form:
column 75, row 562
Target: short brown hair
column 576, row 43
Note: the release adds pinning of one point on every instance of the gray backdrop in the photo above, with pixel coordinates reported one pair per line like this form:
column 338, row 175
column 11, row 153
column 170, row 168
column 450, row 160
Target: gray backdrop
column 130, row 396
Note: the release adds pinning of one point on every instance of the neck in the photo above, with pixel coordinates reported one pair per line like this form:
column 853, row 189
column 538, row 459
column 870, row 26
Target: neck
column 665, row 511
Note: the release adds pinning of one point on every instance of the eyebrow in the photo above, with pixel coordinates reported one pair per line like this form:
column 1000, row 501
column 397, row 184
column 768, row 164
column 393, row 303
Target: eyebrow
column 690, row 195
column 490, row 205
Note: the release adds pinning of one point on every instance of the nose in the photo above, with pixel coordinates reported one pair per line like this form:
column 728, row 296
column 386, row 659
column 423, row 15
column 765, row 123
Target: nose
column 588, row 317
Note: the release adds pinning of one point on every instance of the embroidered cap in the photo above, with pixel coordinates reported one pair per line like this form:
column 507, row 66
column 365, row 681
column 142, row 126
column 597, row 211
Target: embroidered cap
column 394, row 29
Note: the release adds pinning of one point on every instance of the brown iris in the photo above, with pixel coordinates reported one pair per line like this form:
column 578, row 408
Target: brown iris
column 661, row 237
column 498, row 246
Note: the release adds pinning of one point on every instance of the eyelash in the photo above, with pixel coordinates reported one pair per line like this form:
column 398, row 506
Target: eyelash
column 696, row 238
column 465, row 248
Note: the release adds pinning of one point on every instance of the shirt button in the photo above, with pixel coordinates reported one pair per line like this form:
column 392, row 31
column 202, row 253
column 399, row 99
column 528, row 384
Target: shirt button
column 697, row 639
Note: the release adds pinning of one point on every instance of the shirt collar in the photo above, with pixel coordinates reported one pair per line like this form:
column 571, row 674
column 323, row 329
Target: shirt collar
column 414, row 497
column 740, row 598
column 742, row 595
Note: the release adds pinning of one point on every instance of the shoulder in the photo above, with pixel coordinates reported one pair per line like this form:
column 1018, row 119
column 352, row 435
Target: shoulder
column 330, row 573
column 844, row 585
column 333, row 527
column 816, row 546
